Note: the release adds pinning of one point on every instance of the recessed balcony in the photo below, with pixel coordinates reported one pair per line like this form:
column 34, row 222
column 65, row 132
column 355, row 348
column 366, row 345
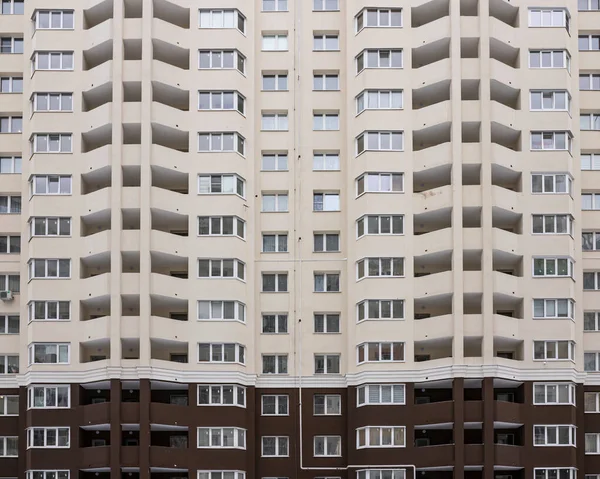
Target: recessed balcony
column 97, row 14
column 171, row 13
column 428, row 12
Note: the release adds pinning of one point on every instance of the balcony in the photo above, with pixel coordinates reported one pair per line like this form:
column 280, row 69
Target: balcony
column 94, row 457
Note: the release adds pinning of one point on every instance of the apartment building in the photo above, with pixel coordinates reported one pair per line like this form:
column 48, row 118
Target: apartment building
column 281, row 239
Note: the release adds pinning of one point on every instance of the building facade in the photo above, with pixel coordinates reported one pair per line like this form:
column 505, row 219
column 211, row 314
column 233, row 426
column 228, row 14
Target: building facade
column 252, row 239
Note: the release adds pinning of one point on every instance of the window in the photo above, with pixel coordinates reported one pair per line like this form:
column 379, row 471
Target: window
column 49, row 310
column 11, row 124
column 380, row 436
column 49, row 226
column 590, row 201
column 326, row 202
column 274, row 364
column 54, row 20
column 327, row 282
column 551, row 183
column 326, row 161
column 275, row 82
column 275, row 42
column 553, row 350
column 9, row 324
column 221, row 353
column 275, row 405
column 326, row 5
column 380, row 225
column 327, row 363
column 380, row 352
column 10, row 244
column 591, row 362
column 54, row 437
column 222, row 437
column 52, row 143
column 589, row 81
column 10, row 282
column 274, row 202
column 553, row 267
column 221, row 142
column 378, row 17
column 274, row 323
column 382, row 473
column 326, row 242
column 381, row 394
column 221, row 100
column 13, row 7
column 550, row 100
column 592, row 402
column 553, row 308
column 592, row 443
column 549, row 59
column 588, row 43
column 49, row 268
column 554, row 393
column 274, row 282
column 221, row 311
column 221, row 185
column 275, row 446
column 324, row 42
column 222, row 19
column 327, row 322
column 49, row 353
column 327, row 404
column 591, row 321
column 378, row 100
column 9, row 405
column 551, row 140
column 588, row 5
column 52, row 102
column 274, row 162
column 10, row 204
column 590, row 161
column 589, row 122
column 9, row 364
column 221, row 395
column 11, row 45
column 380, row 183
column 50, row 185
column 11, row 85
column 274, row 122
column 378, row 59
column 557, row 17
column 10, row 164
column 48, row 397
column 563, row 435
column 275, row 243
column 221, row 268
column 53, row 61
column 326, row 121
column 375, row 267
column 274, row 5
column 591, row 281
column 221, row 226
column 221, row 60
column 48, row 474
column 9, row 446
column 379, row 141
column 590, row 240
column 552, row 224
column 225, row 475
column 327, row 446
column 555, row 473
column 380, row 309
column 326, row 81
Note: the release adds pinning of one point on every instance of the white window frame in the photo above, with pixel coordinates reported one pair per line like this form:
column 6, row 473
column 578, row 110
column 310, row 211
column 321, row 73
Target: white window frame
column 238, row 142
column 394, row 262
column 66, row 60
column 282, row 446
column 552, row 347
column 595, row 397
column 279, row 160
column 365, row 432
column 324, row 201
column 594, row 121
column 553, row 303
column 7, row 399
column 276, row 197
column 378, row 473
column 216, row 395
column 60, row 350
column 324, row 359
column 14, row 124
column 46, row 261
column 216, row 100
column 594, row 201
column 543, row 13
column 9, row 363
column 572, row 432
column 325, row 5
column 9, row 244
column 591, row 6
column 56, row 474
column 237, row 59
column 16, row 45
column 31, row 433
column 238, row 226
column 363, row 311
column 6, row 279
column 10, row 165
column 554, row 473
column 363, row 57
column 62, row 15
column 277, row 4
column 277, row 78
column 364, row 138
column 233, row 180
column 277, row 38
column 596, row 280
column 550, row 224
column 281, row 362
column 239, row 437
column 595, row 316
column 592, row 79
column 566, row 58
column 320, row 121
column 239, row 310
column 543, row 94
column 5, row 321
column 363, row 100
column 590, row 161
column 279, row 119
column 326, row 161
column 590, row 39
column 552, row 394
column 61, row 181
column 568, row 183
column 15, row 7
column 387, row 394
column 276, row 275
column 281, row 404
column 379, row 345
column 595, row 240
column 46, row 219
column 279, row 323
column 55, row 143
column 322, row 77
column 568, row 140
column 239, row 268
column 277, row 238
column 592, row 437
column 323, row 39
column 596, row 357
column 11, row 205
column 364, row 221
column 57, row 389
column 228, row 474
column 63, row 98
column 323, row 237
column 5, row 448
column 207, row 17
column 10, row 82
column 327, row 405
column 321, row 323
column 48, row 307
column 386, row 183
column 547, row 264
column 322, row 443
column 361, row 20
column 239, row 353
column 321, row 280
